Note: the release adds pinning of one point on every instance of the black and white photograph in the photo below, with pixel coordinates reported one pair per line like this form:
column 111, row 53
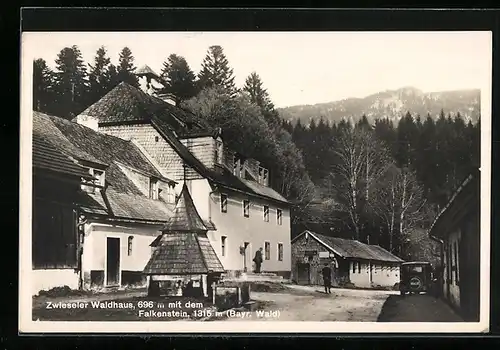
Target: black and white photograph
column 232, row 181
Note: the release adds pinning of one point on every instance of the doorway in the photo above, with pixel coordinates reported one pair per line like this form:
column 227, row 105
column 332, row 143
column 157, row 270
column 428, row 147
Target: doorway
column 112, row 261
column 303, row 273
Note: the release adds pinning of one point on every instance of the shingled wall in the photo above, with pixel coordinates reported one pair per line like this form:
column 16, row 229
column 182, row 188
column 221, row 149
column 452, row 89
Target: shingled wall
column 147, row 136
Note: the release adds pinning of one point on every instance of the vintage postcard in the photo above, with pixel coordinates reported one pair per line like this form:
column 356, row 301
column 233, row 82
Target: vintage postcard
column 233, row 182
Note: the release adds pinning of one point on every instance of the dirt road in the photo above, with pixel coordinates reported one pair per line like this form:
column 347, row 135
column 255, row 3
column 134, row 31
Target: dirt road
column 305, row 303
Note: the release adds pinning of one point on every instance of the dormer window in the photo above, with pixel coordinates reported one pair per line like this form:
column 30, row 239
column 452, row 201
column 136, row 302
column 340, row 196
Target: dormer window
column 263, row 176
column 242, row 169
column 153, row 188
column 218, row 152
column 170, row 194
column 98, row 181
column 236, row 167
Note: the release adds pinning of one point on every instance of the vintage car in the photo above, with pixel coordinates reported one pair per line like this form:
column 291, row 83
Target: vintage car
column 416, row 277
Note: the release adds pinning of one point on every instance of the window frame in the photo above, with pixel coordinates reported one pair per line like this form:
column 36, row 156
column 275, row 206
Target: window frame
column 223, row 245
column 223, row 199
column 267, row 250
column 266, row 214
column 154, row 185
column 130, row 243
column 246, row 208
column 279, row 217
column 280, row 251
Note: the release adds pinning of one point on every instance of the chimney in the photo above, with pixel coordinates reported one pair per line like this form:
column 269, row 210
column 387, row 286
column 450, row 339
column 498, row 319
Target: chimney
column 88, row 121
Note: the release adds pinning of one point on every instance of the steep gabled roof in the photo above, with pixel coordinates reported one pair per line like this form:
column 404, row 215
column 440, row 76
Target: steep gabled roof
column 465, row 198
column 47, row 157
column 347, row 248
column 125, row 104
column 122, row 199
column 185, row 217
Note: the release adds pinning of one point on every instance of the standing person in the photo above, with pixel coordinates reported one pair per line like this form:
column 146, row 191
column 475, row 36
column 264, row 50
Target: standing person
column 258, row 260
column 327, row 278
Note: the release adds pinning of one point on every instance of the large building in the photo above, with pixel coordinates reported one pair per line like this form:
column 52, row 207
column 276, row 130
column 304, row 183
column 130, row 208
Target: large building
column 352, row 262
column 115, row 210
column 457, row 228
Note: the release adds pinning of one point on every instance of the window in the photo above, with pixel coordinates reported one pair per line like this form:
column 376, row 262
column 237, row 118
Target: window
column 99, row 175
column 246, row 208
column 242, row 169
column 223, row 245
column 279, row 216
column 265, row 177
column 170, row 194
column 218, row 152
column 266, row 213
column 99, row 180
column 223, row 203
column 129, row 246
column 236, row 166
column 156, row 139
column 280, row 251
column 153, row 188
column 353, row 267
column 359, row 267
column 267, row 250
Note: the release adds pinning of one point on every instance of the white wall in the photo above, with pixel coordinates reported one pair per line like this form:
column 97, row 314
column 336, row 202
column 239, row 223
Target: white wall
column 94, row 256
column 239, row 229
column 385, row 276
column 382, row 275
column 361, row 278
column 454, row 295
column 50, row 278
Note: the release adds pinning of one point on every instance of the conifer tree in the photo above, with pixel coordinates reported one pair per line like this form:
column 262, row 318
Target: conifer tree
column 258, row 94
column 99, row 75
column 179, row 79
column 126, row 68
column 216, row 72
column 71, row 82
column 43, row 81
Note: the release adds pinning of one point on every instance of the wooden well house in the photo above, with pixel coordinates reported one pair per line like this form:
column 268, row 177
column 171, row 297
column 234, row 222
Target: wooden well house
column 183, row 261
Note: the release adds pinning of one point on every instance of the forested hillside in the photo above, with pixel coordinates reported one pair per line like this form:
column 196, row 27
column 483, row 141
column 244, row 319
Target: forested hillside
column 380, row 179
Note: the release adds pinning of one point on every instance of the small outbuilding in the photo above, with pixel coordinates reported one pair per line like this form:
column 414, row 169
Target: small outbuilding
column 183, row 261
column 352, row 262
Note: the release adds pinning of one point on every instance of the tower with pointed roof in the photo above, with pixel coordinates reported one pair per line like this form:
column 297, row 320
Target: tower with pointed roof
column 149, row 80
column 184, row 248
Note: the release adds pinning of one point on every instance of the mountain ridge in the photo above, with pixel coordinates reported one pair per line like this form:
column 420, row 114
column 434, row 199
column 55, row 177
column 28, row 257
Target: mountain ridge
column 392, row 104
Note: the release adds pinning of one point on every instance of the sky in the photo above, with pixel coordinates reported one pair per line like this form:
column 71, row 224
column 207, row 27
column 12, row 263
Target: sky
column 303, row 67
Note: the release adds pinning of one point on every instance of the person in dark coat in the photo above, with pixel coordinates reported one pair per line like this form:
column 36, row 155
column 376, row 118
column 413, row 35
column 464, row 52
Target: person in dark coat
column 327, row 278
column 258, row 260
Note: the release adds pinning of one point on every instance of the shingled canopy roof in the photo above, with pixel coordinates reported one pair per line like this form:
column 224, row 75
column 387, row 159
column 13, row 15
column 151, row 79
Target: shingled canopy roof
column 348, row 248
column 184, row 247
column 185, row 217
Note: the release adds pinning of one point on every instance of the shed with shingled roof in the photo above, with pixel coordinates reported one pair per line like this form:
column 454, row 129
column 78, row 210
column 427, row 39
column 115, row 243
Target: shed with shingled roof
column 354, row 262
